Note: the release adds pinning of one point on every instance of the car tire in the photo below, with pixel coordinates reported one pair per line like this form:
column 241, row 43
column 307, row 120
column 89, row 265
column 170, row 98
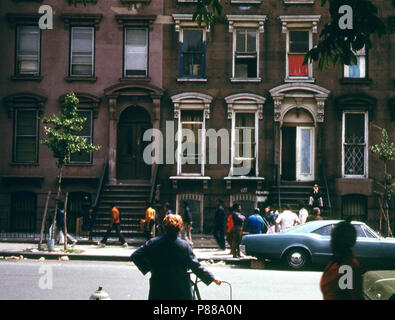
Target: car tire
column 297, row 258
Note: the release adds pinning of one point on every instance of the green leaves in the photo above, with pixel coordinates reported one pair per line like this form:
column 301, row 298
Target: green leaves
column 206, row 11
column 62, row 134
column 385, row 150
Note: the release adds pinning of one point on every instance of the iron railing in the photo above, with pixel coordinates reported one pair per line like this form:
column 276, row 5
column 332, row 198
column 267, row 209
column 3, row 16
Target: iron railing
column 103, row 179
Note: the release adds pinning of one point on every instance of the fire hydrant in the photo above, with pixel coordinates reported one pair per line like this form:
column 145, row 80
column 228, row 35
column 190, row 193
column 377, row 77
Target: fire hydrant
column 100, row 294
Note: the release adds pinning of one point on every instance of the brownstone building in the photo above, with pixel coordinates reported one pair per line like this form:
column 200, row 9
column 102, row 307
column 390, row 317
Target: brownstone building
column 139, row 64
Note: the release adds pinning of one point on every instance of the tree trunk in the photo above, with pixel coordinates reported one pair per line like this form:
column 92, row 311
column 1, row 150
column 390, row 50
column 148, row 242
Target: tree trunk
column 57, row 202
column 65, row 221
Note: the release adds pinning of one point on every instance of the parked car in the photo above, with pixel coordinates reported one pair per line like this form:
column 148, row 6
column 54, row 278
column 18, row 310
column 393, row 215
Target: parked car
column 379, row 285
column 310, row 244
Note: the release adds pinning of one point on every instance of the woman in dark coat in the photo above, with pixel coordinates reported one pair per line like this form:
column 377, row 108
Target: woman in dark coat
column 169, row 258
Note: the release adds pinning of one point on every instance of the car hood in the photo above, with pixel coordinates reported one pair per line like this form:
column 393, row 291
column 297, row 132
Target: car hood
column 379, row 284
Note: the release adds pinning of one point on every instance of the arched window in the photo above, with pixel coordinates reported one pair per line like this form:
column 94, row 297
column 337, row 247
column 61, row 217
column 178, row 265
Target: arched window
column 354, row 206
column 23, row 211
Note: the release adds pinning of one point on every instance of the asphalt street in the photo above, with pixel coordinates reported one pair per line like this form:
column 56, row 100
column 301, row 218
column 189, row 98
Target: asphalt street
column 70, row 280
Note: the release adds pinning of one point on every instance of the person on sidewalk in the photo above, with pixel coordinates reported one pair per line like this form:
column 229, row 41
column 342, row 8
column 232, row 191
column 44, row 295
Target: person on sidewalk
column 287, row 219
column 303, row 213
column 343, row 238
column 315, row 215
column 114, row 224
column 219, row 228
column 59, row 230
column 229, row 227
column 169, row 258
column 270, row 218
column 187, row 220
column 255, row 223
column 149, row 222
column 237, row 232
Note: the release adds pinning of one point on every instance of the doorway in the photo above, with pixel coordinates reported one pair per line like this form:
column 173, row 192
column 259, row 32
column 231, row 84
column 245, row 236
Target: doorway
column 133, row 122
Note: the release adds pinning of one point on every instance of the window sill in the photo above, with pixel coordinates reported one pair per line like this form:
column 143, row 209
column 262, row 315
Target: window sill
column 24, row 164
column 189, row 177
column 86, row 79
column 191, row 79
column 126, row 79
column 307, row 80
column 76, row 164
column 299, row 1
column 358, row 81
column 257, row 80
column 246, row 1
column 26, row 78
column 244, row 178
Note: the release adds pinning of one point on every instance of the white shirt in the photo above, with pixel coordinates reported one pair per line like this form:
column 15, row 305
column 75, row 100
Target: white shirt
column 303, row 213
column 287, row 220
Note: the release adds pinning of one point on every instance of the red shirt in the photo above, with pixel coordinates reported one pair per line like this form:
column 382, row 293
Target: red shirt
column 115, row 215
column 331, row 280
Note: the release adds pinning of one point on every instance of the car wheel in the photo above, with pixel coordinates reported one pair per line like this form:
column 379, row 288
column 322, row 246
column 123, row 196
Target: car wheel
column 297, row 258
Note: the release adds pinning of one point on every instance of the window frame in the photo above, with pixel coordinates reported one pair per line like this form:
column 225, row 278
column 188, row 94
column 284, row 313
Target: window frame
column 91, row 137
column 93, row 52
column 365, row 55
column 366, row 151
column 181, row 75
column 16, row 52
column 234, row 54
column 14, row 151
column 147, row 34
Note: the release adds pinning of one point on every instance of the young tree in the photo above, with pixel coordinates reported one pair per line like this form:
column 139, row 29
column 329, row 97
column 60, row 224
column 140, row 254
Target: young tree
column 63, row 139
column 386, row 152
column 339, row 39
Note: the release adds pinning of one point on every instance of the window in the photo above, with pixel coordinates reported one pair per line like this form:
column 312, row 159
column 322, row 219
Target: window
column 357, row 71
column 28, row 50
column 354, row 206
column 324, row 231
column 87, row 133
column 82, row 51
column 299, row 31
column 23, row 212
column 136, row 52
column 298, row 47
column 355, row 146
column 192, row 54
column 245, row 55
column 191, row 125
column 244, row 144
column 196, row 204
column 26, row 135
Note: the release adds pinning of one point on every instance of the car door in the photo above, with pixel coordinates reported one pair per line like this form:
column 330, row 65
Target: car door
column 320, row 244
column 367, row 249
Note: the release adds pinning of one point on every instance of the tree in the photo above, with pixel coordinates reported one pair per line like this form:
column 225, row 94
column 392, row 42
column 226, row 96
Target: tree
column 63, row 140
column 386, row 188
column 337, row 44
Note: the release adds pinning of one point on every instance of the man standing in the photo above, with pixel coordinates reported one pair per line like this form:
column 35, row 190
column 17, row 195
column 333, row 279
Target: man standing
column 303, row 213
column 187, row 219
column 315, row 199
column 237, row 231
column 219, row 232
column 270, row 218
column 255, row 223
column 287, row 219
column 114, row 224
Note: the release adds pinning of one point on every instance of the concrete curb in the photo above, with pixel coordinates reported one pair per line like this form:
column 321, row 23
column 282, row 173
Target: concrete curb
column 85, row 257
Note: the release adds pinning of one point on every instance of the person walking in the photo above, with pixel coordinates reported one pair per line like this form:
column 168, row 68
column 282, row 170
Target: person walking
column 169, row 258
column 255, row 223
column 219, row 229
column 114, row 224
column 270, row 218
column 343, row 238
column 229, row 227
column 187, row 221
column 315, row 215
column 237, row 231
column 60, row 230
column 303, row 213
column 315, row 198
column 287, row 219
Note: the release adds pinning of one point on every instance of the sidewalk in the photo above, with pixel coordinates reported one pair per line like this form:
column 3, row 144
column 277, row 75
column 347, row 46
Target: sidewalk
column 205, row 249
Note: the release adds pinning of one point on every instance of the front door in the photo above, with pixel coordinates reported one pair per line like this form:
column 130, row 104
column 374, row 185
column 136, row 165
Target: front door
column 133, row 123
column 304, row 153
column 297, row 154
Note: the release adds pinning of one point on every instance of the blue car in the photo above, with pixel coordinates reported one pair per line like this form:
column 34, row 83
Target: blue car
column 310, row 244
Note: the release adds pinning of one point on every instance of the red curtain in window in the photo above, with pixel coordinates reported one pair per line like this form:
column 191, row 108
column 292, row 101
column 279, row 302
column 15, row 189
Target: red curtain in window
column 296, row 67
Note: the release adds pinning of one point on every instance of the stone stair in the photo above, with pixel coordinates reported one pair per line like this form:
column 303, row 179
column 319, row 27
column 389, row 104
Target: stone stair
column 130, row 199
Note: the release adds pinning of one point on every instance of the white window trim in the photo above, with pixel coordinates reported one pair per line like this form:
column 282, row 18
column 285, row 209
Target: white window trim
column 360, row 53
column 366, row 153
column 93, row 52
column 245, row 103
column 124, row 52
column 299, row 1
column 191, row 196
column 236, row 22
column 191, row 101
column 301, row 23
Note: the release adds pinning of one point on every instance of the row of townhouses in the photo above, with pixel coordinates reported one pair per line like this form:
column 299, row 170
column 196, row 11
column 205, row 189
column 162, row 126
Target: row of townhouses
column 145, row 64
